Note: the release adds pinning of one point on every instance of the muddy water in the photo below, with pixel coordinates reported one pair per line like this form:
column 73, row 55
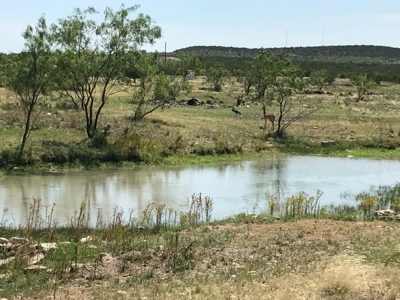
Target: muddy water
column 236, row 187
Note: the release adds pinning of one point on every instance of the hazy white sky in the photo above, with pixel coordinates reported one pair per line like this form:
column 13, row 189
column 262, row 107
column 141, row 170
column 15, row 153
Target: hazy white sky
column 250, row 23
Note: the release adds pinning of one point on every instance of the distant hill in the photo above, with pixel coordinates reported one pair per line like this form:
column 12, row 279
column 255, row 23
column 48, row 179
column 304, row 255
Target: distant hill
column 379, row 62
column 332, row 54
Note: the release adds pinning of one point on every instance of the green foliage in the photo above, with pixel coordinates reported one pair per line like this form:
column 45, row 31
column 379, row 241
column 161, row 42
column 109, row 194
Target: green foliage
column 302, row 204
column 395, row 204
column 363, row 84
column 94, row 56
column 247, row 79
column 217, row 77
column 276, row 79
column 379, row 63
column 273, row 205
column 367, row 205
column 132, row 147
column 156, row 89
column 100, row 139
column 333, row 54
column 167, row 88
column 342, row 212
column 387, row 196
column 203, row 150
column 29, row 75
column 320, row 78
column 8, row 158
column 220, row 147
column 186, row 63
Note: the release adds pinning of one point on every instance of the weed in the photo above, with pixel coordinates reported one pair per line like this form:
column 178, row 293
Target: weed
column 273, row 205
column 302, row 204
column 367, row 205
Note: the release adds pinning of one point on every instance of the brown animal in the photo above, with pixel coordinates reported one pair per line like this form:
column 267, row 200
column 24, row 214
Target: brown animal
column 268, row 116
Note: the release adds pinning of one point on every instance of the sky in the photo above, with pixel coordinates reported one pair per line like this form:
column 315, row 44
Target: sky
column 233, row 23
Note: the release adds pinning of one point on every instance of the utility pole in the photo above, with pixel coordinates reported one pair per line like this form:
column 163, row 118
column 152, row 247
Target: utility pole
column 286, row 39
column 165, row 52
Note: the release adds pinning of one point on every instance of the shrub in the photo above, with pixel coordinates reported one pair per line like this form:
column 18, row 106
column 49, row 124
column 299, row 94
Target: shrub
column 132, row 147
column 100, row 138
column 203, row 150
column 223, row 147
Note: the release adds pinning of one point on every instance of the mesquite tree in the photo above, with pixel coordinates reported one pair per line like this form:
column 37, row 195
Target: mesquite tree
column 94, row 56
column 29, row 75
column 216, row 77
column 363, row 85
column 156, row 89
column 278, row 79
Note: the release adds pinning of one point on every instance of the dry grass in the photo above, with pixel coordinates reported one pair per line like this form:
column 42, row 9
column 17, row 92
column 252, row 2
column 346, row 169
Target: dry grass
column 308, row 259
column 339, row 117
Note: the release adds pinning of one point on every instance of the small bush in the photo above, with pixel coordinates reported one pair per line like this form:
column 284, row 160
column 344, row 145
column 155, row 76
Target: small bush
column 100, row 138
column 343, row 212
column 223, row 147
column 299, row 145
column 8, row 157
column 203, row 150
column 367, row 206
column 132, row 147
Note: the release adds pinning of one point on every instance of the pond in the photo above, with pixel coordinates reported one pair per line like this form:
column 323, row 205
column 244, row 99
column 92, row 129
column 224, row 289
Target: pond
column 235, row 188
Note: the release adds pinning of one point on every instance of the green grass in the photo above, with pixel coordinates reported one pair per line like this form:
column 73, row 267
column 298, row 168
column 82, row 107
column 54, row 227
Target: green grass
column 172, row 136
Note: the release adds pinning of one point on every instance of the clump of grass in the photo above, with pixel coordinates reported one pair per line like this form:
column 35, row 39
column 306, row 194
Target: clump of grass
column 133, row 147
column 273, row 205
column 302, row 205
column 395, row 204
column 221, row 147
column 368, row 205
column 200, row 209
column 35, row 220
column 340, row 212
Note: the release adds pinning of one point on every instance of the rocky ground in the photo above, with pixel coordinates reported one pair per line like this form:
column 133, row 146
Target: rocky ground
column 307, row 259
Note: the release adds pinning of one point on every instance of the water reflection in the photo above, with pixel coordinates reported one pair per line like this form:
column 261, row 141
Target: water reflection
column 236, row 187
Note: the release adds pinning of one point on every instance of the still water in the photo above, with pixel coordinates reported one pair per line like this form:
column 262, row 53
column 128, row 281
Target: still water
column 234, row 188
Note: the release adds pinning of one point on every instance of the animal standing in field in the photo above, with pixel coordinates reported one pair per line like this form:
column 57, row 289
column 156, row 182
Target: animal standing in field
column 237, row 113
column 268, row 116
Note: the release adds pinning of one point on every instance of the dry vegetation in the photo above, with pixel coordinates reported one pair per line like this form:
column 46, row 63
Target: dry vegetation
column 339, row 118
column 308, row 259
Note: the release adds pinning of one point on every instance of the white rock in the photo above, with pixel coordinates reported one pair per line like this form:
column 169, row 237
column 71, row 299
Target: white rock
column 33, row 268
column 122, row 293
column 35, row 259
column 86, row 239
column 4, row 240
column 6, row 261
column 48, row 246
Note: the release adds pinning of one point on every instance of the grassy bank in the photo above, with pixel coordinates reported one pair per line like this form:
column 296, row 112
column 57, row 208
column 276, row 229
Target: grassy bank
column 199, row 134
column 295, row 253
